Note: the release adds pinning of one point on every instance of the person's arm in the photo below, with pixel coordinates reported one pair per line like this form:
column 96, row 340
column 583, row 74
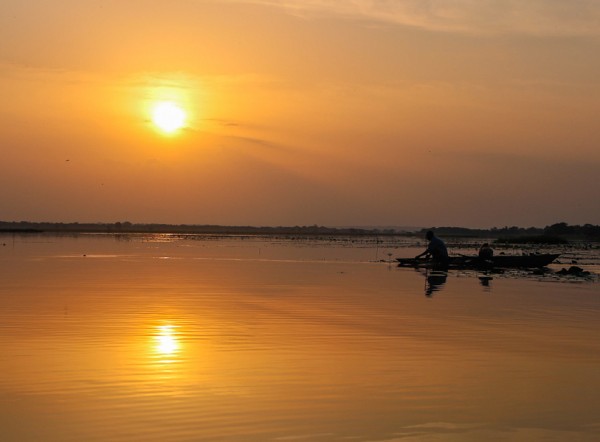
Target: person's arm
column 428, row 251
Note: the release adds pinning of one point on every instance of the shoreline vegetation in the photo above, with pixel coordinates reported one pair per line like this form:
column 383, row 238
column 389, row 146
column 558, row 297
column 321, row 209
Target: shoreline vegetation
column 559, row 233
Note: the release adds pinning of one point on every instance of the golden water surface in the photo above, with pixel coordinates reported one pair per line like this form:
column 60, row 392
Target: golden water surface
column 229, row 339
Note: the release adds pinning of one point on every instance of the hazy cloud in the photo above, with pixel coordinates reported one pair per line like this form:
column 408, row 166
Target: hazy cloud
column 534, row 17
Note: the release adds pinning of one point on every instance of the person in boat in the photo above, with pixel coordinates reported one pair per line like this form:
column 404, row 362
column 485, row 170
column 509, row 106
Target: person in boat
column 436, row 250
column 486, row 252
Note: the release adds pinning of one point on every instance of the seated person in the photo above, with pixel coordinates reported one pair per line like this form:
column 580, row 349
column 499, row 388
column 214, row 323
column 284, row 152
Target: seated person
column 436, row 250
column 486, row 252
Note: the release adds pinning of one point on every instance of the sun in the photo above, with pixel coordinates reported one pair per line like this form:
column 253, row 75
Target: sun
column 168, row 116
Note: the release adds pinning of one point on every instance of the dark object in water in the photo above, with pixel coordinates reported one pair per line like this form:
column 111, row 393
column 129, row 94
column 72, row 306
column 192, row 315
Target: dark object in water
column 435, row 282
column 474, row 262
column 574, row 271
column 485, row 280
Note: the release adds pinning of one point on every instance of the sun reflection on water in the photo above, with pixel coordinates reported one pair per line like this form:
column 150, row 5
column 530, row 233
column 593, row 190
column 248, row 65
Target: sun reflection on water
column 166, row 341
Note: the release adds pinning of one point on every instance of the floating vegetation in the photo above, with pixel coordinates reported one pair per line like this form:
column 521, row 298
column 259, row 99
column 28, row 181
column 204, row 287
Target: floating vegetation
column 535, row 239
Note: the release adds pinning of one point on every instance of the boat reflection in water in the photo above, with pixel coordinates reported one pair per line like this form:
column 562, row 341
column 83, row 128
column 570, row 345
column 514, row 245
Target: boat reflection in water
column 434, row 281
column 485, row 280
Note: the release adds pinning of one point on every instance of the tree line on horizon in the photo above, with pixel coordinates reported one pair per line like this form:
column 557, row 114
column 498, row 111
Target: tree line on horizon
column 128, row 227
column 557, row 230
column 562, row 230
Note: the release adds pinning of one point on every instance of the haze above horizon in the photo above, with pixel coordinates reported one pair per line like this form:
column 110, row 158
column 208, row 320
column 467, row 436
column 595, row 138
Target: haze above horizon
column 260, row 112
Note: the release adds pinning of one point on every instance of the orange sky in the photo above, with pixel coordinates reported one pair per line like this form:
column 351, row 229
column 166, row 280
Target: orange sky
column 325, row 112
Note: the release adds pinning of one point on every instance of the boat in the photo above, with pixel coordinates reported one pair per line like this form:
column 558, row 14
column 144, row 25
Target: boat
column 475, row 262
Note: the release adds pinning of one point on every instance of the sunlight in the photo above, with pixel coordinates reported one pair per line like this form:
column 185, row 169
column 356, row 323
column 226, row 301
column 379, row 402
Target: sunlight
column 166, row 341
column 168, row 116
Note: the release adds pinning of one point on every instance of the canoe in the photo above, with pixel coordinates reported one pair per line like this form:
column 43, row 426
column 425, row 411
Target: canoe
column 475, row 262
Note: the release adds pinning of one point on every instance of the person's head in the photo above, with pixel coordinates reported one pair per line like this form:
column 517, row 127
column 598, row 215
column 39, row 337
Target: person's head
column 485, row 245
column 429, row 235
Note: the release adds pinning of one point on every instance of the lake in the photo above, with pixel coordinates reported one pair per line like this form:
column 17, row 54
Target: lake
column 218, row 338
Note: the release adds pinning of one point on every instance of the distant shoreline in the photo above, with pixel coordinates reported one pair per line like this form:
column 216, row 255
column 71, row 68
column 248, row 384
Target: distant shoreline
column 561, row 230
column 126, row 227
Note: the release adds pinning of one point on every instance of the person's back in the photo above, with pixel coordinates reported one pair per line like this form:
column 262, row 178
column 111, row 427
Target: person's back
column 486, row 252
column 437, row 249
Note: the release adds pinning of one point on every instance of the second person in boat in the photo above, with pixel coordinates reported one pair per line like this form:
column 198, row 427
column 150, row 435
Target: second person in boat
column 486, row 252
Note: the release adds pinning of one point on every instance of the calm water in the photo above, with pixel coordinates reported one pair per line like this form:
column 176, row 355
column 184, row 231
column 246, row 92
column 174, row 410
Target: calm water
column 228, row 339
